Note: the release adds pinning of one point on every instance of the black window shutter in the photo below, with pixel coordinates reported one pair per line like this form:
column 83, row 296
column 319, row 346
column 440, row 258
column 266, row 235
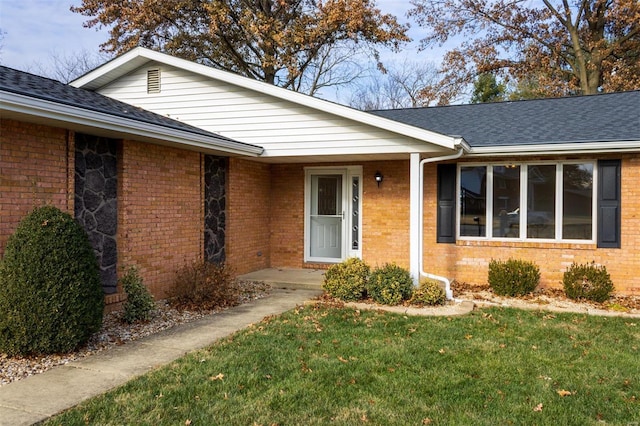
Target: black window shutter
column 446, row 221
column 609, row 203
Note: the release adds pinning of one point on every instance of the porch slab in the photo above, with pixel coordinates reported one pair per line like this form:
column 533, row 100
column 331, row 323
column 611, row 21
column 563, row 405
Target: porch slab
column 310, row 279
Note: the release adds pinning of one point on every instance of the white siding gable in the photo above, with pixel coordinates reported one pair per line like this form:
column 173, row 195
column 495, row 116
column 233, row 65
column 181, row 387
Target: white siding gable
column 284, row 128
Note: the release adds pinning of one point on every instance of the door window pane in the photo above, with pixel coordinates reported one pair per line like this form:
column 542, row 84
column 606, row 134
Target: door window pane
column 577, row 201
column 506, row 201
column 541, row 201
column 328, row 196
column 473, row 202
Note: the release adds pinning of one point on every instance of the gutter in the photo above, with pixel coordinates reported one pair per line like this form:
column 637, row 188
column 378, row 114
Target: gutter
column 594, row 147
column 447, row 283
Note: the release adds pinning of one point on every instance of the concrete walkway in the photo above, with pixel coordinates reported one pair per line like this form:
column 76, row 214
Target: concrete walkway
column 39, row 397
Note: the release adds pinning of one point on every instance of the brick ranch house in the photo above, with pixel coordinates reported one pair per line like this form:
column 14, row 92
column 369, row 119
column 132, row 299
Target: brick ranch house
column 553, row 181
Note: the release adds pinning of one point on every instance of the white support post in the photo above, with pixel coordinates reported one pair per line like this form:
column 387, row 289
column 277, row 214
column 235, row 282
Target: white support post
column 414, row 220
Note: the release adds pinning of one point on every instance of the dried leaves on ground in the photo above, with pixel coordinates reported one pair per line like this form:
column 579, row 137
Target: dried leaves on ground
column 115, row 332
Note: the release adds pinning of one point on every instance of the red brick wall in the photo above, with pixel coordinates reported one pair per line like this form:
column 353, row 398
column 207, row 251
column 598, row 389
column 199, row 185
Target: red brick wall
column 248, row 215
column 468, row 261
column 160, row 211
column 385, row 216
column 287, row 216
column 386, row 230
column 385, row 213
column 36, row 168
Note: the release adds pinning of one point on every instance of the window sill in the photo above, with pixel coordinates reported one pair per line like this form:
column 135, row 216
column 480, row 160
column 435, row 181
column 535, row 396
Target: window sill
column 587, row 245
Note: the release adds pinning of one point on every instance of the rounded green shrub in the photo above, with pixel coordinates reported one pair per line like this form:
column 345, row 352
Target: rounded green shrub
column 139, row 305
column 430, row 293
column 589, row 281
column 513, row 277
column 390, row 285
column 51, row 299
column 347, row 280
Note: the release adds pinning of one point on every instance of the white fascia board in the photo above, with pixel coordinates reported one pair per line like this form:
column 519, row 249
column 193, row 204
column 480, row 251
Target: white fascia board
column 264, row 88
column 45, row 109
column 557, row 148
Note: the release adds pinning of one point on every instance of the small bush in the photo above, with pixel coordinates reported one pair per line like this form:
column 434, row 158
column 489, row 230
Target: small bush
column 51, row 298
column 588, row 281
column 347, row 280
column 513, row 277
column 390, row 285
column 139, row 305
column 204, row 286
column 429, row 293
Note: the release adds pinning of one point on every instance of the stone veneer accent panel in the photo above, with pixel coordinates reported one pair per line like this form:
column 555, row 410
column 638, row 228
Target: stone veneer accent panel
column 96, row 207
column 215, row 175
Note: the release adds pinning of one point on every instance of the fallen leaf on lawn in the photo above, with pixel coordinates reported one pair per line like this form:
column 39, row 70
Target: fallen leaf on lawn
column 538, row 407
column 426, row 421
column 534, row 347
column 268, row 376
column 187, row 422
column 343, row 360
column 441, row 351
column 563, row 392
column 468, row 336
column 220, row 376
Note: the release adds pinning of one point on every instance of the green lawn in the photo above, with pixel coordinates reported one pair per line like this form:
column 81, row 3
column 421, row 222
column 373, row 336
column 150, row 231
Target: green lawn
column 329, row 365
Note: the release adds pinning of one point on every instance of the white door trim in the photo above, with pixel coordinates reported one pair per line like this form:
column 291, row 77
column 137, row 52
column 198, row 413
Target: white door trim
column 349, row 173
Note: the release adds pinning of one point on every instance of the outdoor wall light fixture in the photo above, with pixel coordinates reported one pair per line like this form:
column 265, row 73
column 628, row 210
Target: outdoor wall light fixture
column 379, row 178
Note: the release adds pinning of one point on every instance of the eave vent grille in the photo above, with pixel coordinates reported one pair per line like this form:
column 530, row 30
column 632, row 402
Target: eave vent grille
column 153, row 81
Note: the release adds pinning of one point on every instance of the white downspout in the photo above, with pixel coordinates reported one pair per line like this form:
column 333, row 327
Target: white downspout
column 447, row 283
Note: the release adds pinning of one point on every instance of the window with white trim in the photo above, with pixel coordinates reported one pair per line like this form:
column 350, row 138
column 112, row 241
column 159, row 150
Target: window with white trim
column 527, row 201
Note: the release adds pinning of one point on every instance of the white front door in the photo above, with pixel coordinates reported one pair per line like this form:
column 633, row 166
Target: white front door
column 332, row 214
column 326, row 217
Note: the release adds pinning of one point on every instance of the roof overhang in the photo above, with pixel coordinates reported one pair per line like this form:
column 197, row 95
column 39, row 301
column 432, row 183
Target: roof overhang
column 35, row 110
column 139, row 56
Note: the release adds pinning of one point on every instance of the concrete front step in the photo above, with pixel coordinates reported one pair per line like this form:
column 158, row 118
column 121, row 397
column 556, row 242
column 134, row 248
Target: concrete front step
column 307, row 279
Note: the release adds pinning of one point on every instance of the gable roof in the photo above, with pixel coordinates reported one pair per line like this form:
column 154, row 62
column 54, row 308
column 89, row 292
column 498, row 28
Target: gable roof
column 139, row 57
column 25, row 95
column 595, row 122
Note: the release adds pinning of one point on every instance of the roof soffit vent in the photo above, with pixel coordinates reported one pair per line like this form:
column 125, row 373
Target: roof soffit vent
column 153, row 80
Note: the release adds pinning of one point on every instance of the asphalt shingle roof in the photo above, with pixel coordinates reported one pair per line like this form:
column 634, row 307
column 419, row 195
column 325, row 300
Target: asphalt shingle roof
column 23, row 83
column 595, row 118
